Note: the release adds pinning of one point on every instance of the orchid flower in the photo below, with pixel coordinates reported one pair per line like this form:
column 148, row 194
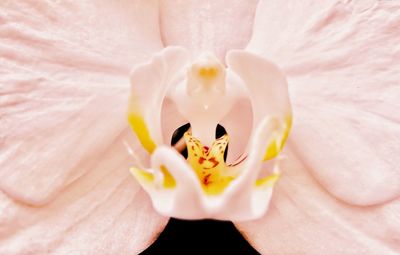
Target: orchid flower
column 322, row 74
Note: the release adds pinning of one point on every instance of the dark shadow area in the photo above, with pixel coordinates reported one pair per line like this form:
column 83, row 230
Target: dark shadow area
column 202, row 236
column 177, row 136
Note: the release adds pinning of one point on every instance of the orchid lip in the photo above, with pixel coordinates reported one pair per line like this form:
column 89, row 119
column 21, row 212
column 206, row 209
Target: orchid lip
column 204, row 94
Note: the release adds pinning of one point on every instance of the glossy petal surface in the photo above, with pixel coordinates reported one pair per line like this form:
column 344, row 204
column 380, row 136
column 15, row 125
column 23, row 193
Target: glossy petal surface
column 339, row 190
column 215, row 26
column 341, row 60
column 64, row 86
column 304, row 218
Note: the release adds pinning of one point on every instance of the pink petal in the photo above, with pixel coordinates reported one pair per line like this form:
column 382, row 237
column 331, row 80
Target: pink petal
column 267, row 90
column 305, row 219
column 238, row 124
column 64, row 100
column 104, row 212
column 171, row 120
column 280, row 27
column 64, row 172
column 343, row 70
column 150, row 82
column 214, row 26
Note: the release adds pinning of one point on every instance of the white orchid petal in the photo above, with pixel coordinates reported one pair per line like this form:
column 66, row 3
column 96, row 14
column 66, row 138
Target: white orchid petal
column 63, row 167
column 239, row 125
column 171, row 119
column 342, row 63
column 250, row 201
column 267, row 87
column 106, row 204
column 213, row 26
column 338, row 193
column 311, row 221
column 149, row 85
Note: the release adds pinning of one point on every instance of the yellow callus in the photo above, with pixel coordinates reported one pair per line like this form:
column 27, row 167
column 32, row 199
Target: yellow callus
column 209, row 163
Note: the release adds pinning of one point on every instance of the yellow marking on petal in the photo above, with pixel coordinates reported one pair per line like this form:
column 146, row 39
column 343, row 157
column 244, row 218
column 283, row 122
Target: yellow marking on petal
column 139, row 126
column 146, row 178
column 289, row 121
column 273, row 148
column 268, row 181
column 169, row 181
column 209, row 164
column 143, row 177
column 272, row 151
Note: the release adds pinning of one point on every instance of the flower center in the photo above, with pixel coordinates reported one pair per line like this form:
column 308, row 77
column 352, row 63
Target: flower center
column 247, row 97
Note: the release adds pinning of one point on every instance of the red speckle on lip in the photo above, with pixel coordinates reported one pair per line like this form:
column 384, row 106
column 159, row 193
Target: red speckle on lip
column 214, row 161
column 206, row 179
column 201, row 160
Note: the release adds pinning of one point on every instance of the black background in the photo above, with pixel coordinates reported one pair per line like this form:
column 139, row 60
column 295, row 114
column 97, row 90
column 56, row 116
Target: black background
column 200, row 237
